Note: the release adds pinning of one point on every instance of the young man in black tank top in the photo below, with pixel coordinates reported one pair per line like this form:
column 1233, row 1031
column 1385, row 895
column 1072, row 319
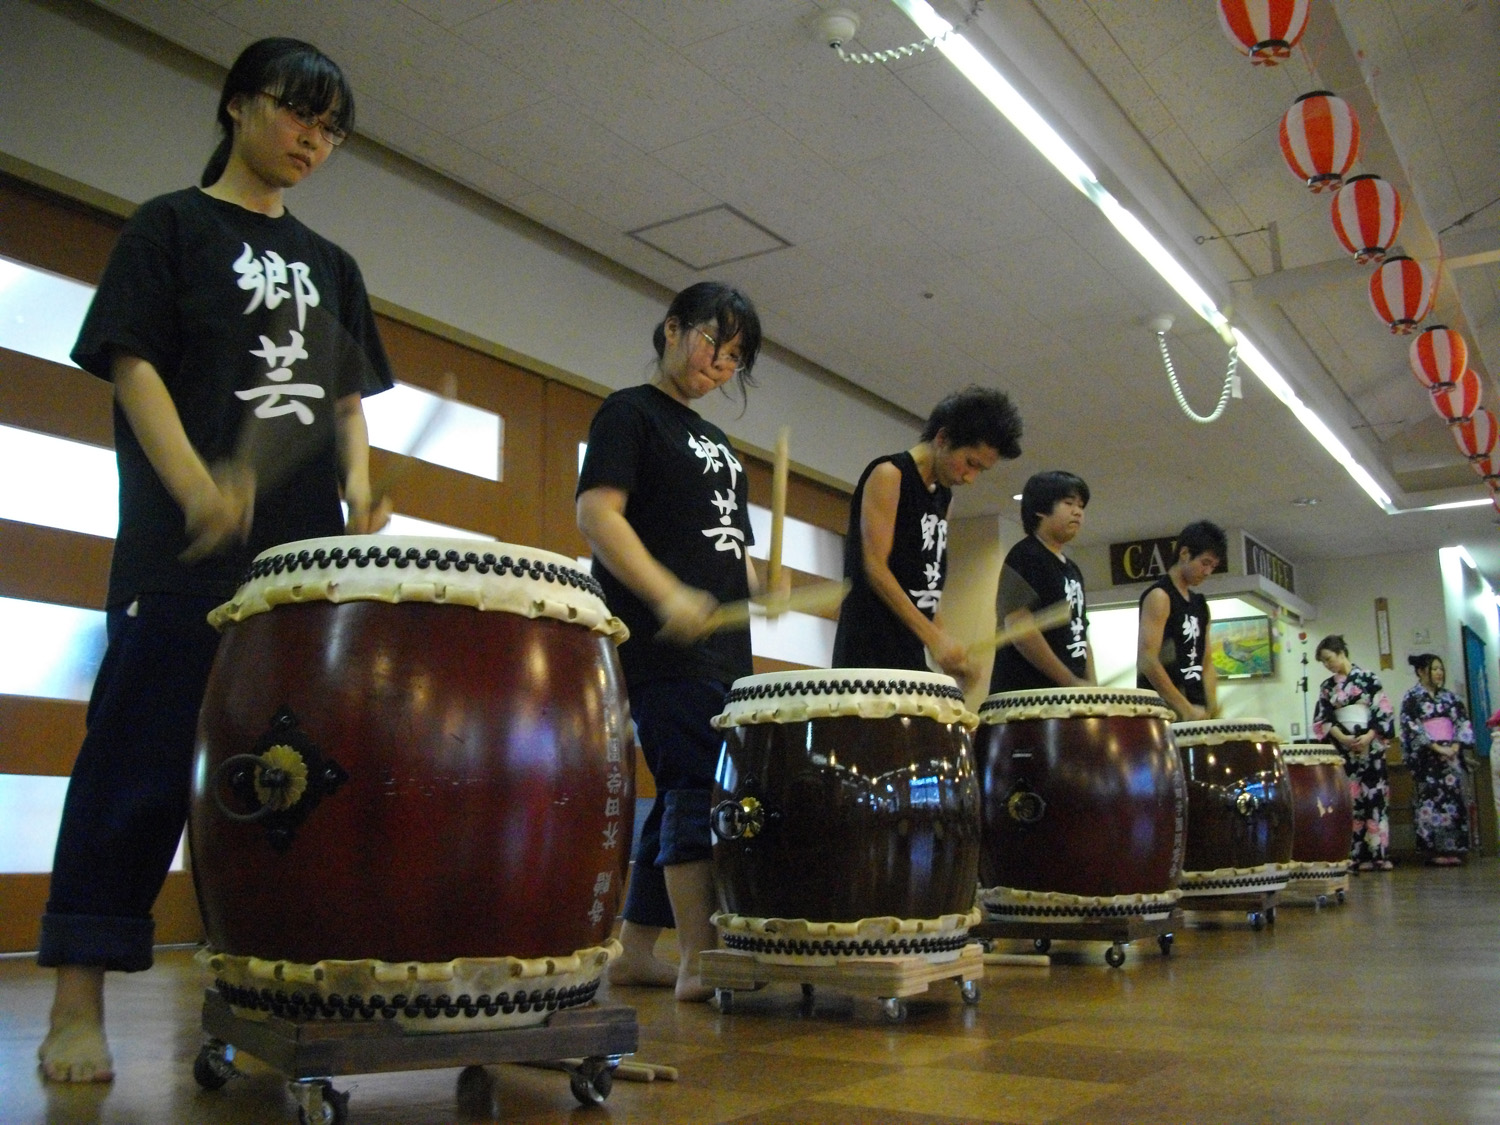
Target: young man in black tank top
column 895, row 553
column 1173, row 652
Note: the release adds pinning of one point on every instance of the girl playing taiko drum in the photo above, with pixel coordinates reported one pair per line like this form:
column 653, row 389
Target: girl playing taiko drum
column 217, row 307
column 662, row 500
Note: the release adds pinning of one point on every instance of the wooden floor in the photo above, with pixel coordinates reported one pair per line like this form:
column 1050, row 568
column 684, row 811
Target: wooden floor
column 1386, row 1009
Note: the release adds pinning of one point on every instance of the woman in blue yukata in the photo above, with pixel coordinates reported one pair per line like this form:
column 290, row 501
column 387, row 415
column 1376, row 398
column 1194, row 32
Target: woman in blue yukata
column 1435, row 731
column 1354, row 713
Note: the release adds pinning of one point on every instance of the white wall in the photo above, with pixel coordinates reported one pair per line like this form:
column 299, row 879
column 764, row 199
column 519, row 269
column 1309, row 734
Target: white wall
column 116, row 112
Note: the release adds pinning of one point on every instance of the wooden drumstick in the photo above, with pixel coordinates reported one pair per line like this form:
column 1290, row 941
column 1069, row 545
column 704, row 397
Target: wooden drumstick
column 816, row 597
column 1049, row 617
column 778, row 506
column 406, row 461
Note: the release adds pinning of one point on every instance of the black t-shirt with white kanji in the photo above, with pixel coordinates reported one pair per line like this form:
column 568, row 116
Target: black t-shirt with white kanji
column 869, row 635
column 1184, row 641
column 1033, row 578
column 688, row 503
column 257, row 326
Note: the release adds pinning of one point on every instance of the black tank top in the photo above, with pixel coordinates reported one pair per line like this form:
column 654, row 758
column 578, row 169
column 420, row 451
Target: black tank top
column 869, row 635
column 1184, row 641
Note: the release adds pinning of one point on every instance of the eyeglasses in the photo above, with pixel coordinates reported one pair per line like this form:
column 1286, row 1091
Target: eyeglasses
column 306, row 118
column 719, row 361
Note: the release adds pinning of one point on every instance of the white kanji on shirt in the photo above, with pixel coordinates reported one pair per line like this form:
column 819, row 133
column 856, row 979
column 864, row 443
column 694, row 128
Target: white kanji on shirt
column 280, row 359
column 266, row 279
column 1192, row 667
column 1078, row 642
column 930, row 597
column 934, row 534
column 727, row 537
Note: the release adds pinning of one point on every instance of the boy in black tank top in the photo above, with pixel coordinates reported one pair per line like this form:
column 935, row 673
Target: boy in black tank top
column 1173, row 653
column 896, row 551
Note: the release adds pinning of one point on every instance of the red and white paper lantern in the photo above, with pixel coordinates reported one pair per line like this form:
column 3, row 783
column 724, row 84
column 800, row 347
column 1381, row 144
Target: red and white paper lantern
column 1401, row 292
column 1366, row 215
column 1459, row 399
column 1438, row 356
column 1265, row 30
column 1476, row 436
column 1320, row 139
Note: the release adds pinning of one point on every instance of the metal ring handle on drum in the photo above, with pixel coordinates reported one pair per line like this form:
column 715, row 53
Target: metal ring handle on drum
column 270, row 777
column 732, row 819
column 1246, row 804
column 1025, row 806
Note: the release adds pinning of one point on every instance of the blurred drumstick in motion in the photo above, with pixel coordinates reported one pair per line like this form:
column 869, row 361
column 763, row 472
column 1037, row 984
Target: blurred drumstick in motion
column 407, row 458
column 1048, row 617
column 816, row 597
column 778, row 506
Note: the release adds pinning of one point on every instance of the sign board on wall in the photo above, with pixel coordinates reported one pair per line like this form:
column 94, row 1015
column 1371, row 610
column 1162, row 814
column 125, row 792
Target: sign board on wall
column 1260, row 559
column 1145, row 560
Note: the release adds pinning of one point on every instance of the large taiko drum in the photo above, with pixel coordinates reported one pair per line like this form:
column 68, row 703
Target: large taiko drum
column 1240, row 818
column 1083, row 808
column 1322, row 811
column 845, row 815
column 413, row 788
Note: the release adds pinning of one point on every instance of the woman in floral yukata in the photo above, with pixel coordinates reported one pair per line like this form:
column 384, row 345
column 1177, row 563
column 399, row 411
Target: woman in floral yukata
column 1435, row 731
column 1354, row 713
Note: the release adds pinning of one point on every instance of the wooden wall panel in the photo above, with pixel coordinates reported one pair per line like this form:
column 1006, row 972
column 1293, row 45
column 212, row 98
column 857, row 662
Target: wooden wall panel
column 508, row 509
column 569, row 412
column 52, row 398
column 55, row 233
column 40, row 737
column 43, row 564
column 23, row 898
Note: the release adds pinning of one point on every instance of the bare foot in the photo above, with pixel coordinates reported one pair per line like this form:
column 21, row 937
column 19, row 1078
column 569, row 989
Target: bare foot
column 692, row 990
column 76, row 1051
column 650, row 972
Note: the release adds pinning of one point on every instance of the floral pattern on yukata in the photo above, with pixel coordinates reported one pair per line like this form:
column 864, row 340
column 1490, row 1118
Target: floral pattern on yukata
column 1439, row 808
column 1369, row 783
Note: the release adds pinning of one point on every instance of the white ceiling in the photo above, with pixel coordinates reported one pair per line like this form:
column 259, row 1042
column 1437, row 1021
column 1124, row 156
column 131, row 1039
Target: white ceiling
column 905, row 238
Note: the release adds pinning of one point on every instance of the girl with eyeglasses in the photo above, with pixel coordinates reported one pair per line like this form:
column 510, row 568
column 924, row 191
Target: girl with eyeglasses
column 662, row 500
column 239, row 344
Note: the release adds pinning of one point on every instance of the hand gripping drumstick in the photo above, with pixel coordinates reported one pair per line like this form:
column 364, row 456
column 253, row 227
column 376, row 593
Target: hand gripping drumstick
column 1049, row 617
column 448, row 388
column 778, row 506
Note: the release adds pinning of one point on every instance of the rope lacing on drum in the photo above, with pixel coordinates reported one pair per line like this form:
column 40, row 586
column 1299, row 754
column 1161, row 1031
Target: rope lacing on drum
column 340, row 558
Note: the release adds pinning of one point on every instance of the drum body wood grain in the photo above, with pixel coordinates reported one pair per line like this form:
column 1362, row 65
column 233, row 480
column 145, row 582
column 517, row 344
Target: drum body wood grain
column 1322, row 812
column 852, row 815
column 1082, row 793
column 1240, row 810
column 467, row 773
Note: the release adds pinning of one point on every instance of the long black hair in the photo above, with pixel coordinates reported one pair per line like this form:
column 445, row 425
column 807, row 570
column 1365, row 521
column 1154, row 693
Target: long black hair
column 297, row 73
column 733, row 314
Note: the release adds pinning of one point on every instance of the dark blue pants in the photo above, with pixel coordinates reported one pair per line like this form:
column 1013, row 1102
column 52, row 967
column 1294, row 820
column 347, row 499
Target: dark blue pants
column 127, row 800
column 682, row 751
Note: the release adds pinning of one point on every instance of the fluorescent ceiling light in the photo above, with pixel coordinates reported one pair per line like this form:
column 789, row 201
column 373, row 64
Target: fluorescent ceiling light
column 1004, row 97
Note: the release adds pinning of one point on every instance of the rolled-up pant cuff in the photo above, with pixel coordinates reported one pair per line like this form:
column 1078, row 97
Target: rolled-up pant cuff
column 684, row 827
column 119, row 944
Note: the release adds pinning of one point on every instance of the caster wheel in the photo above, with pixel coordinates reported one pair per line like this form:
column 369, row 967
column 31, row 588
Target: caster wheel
column 1041, row 944
column 1257, row 920
column 1270, row 915
column 1340, row 896
column 1114, row 956
column 592, row 1082
column 1164, row 941
column 724, row 1000
column 969, row 990
column 331, row 1108
column 212, row 1068
column 893, row 1008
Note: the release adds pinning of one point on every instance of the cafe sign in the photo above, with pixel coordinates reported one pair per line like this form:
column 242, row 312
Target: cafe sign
column 1145, row 560
column 1260, row 559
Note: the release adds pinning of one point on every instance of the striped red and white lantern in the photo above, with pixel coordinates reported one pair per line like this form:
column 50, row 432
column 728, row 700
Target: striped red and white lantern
column 1265, row 30
column 1489, row 469
column 1459, row 399
column 1476, row 436
column 1320, row 139
column 1438, row 356
column 1366, row 216
column 1401, row 292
